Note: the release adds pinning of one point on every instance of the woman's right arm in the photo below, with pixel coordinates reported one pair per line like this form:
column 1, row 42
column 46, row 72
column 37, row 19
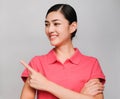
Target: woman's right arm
column 27, row 91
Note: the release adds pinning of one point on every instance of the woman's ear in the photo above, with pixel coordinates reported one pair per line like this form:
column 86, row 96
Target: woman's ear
column 73, row 27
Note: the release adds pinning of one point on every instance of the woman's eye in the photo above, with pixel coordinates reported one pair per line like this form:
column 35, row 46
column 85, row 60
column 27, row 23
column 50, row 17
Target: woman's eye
column 56, row 24
column 46, row 24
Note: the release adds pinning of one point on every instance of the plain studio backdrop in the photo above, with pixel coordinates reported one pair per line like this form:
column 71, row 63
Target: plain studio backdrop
column 22, row 36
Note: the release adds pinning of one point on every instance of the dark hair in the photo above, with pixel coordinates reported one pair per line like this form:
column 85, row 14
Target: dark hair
column 68, row 12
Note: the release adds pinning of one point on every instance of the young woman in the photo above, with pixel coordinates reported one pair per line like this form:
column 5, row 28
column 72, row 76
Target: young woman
column 64, row 72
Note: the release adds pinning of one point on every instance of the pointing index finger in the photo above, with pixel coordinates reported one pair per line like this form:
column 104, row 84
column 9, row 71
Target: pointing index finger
column 27, row 66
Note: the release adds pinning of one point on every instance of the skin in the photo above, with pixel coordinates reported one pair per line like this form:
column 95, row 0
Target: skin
column 58, row 31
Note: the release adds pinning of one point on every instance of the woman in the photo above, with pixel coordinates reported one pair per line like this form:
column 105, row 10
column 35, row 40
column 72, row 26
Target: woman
column 63, row 73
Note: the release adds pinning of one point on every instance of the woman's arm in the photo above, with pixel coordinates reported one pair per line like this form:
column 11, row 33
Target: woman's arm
column 27, row 91
column 93, row 87
column 38, row 81
column 63, row 93
column 41, row 83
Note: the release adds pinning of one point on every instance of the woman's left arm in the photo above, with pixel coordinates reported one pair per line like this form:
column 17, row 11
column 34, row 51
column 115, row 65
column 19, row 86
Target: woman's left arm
column 93, row 87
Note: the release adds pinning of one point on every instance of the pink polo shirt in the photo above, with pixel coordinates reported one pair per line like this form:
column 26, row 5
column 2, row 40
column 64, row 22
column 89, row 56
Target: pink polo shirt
column 73, row 74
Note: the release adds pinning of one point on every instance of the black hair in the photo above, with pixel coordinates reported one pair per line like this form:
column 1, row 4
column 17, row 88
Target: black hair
column 68, row 12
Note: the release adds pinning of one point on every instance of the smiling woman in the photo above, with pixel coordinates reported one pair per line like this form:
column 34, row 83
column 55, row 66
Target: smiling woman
column 58, row 29
column 68, row 13
column 64, row 72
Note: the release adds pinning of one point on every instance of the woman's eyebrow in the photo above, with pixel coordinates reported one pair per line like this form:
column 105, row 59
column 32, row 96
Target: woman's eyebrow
column 46, row 21
column 55, row 20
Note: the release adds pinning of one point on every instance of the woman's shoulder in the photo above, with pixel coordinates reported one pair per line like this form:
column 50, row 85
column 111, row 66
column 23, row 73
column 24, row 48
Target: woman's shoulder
column 85, row 57
column 42, row 56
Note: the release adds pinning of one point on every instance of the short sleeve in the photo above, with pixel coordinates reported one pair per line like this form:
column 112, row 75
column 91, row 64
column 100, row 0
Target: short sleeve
column 35, row 63
column 97, row 72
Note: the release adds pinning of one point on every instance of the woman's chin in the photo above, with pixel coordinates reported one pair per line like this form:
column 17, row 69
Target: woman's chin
column 54, row 44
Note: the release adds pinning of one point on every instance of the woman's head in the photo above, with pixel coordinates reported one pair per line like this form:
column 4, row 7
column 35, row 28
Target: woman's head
column 67, row 11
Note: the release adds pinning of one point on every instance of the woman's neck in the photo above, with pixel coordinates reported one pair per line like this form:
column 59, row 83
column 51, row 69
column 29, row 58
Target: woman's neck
column 64, row 52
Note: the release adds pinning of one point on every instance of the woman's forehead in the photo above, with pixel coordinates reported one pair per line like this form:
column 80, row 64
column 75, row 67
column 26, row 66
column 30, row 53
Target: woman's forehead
column 55, row 15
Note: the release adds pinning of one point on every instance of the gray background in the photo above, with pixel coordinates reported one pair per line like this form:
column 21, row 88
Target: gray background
column 22, row 37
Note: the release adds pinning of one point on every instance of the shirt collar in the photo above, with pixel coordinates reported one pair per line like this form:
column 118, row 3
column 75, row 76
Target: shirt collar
column 51, row 57
column 75, row 59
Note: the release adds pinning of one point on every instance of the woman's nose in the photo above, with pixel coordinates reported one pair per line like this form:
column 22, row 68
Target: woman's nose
column 51, row 29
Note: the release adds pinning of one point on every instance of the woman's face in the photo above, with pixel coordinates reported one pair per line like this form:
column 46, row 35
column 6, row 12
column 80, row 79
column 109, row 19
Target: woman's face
column 57, row 28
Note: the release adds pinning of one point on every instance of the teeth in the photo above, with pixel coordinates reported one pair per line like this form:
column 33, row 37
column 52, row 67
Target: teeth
column 54, row 36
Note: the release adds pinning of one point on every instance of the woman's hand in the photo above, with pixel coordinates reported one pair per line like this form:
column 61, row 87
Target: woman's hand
column 93, row 87
column 36, row 80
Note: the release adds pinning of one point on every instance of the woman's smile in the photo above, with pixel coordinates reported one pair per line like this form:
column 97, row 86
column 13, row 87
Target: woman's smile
column 53, row 36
